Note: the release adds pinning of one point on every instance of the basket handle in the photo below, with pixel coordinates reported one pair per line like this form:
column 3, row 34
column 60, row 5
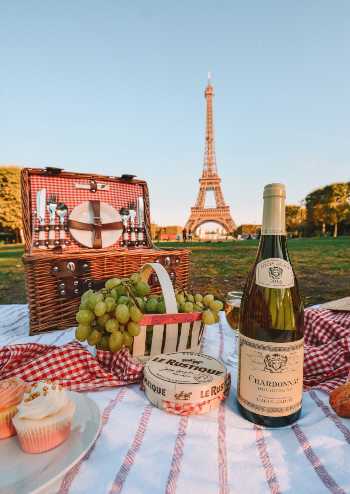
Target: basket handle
column 165, row 284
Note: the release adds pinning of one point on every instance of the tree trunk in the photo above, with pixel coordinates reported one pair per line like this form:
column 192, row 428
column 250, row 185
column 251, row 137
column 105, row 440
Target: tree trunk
column 323, row 229
column 21, row 236
column 335, row 231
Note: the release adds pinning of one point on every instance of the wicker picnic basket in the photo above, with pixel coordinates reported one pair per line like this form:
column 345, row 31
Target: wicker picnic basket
column 170, row 332
column 58, row 269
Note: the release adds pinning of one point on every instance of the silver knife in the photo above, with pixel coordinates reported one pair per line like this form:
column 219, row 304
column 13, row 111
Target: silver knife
column 140, row 219
column 41, row 212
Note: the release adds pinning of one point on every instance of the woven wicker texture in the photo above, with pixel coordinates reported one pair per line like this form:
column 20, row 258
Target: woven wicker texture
column 48, row 309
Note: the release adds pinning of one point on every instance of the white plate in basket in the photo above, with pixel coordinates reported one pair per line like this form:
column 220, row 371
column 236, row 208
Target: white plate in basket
column 23, row 473
column 84, row 213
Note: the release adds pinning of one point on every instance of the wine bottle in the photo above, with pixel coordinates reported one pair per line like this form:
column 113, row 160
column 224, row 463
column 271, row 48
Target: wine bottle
column 271, row 327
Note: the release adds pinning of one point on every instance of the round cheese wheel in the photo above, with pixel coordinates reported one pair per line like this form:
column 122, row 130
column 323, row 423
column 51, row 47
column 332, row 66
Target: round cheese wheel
column 185, row 383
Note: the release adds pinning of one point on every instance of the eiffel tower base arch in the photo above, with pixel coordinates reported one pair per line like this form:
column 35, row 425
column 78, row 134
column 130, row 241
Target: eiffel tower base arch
column 199, row 216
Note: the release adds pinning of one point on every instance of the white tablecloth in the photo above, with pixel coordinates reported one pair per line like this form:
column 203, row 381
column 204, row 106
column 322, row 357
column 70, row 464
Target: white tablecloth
column 144, row 450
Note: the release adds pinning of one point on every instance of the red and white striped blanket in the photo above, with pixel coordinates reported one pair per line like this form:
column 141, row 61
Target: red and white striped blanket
column 326, row 364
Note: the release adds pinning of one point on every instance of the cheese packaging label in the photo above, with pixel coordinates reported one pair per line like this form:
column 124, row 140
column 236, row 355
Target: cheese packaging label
column 185, row 382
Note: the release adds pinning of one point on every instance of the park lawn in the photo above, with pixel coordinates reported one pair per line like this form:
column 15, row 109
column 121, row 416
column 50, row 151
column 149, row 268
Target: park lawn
column 12, row 289
column 322, row 267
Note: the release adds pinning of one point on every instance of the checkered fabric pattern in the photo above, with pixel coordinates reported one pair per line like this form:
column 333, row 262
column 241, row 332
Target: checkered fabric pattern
column 327, row 349
column 190, row 408
column 72, row 365
column 119, row 195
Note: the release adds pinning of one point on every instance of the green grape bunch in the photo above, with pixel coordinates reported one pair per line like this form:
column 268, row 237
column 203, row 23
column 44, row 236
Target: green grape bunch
column 110, row 318
column 206, row 304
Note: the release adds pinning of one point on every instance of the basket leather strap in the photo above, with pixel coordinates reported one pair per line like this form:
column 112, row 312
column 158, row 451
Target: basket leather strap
column 96, row 227
column 97, row 237
column 93, row 187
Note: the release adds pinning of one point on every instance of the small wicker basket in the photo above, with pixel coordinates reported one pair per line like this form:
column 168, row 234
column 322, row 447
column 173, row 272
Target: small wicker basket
column 170, row 332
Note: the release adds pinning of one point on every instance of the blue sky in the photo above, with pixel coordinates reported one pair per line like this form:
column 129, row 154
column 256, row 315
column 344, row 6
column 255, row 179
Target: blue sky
column 117, row 87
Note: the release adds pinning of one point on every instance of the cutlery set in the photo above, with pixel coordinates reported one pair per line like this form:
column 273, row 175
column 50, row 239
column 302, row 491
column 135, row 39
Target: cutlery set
column 133, row 236
column 52, row 222
column 47, row 238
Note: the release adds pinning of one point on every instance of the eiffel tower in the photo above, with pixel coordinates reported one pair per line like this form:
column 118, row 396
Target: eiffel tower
column 210, row 180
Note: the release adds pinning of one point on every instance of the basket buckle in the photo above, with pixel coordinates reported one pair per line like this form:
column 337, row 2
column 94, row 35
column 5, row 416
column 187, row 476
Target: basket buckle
column 97, row 221
column 70, row 277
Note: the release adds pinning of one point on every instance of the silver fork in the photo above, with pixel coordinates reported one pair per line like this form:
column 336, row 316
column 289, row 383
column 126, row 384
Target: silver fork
column 52, row 206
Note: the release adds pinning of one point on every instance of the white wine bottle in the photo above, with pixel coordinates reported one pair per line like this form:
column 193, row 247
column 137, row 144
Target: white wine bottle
column 271, row 327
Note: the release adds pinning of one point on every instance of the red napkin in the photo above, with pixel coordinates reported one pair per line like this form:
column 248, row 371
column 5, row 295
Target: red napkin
column 327, row 348
column 72, row 365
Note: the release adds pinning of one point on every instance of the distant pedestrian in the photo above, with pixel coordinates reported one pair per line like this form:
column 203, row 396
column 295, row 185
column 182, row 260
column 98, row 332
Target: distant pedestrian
column 184, row 234
column 189, row 235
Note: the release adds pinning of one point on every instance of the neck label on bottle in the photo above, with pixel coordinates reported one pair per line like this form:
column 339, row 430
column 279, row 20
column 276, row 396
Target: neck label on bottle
column 274, row 273
column 270, row 381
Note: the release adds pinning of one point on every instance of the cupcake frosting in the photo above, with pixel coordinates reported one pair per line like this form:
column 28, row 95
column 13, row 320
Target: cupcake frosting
column 42, row 400
column 11, row 392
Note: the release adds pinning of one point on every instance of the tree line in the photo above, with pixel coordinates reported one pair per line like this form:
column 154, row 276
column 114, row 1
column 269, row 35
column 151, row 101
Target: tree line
column 324, row 211
column 10, row 205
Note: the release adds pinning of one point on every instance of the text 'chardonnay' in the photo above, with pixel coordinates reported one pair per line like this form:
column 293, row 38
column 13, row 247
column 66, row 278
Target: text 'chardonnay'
column 271, row 328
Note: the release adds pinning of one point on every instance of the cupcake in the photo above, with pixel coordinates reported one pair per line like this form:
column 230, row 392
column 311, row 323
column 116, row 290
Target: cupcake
column 11, row 393
column 44, row 417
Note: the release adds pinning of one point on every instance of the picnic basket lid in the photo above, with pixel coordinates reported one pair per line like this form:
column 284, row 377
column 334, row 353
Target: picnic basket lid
column 116, row 191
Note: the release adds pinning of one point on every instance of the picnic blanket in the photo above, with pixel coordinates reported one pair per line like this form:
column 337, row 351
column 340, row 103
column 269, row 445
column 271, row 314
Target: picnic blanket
column 326, row 363
column 141, row 449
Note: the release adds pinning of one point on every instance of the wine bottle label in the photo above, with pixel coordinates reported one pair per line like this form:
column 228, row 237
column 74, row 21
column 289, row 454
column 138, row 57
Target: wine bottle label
column 270, row 379
column 274, row 273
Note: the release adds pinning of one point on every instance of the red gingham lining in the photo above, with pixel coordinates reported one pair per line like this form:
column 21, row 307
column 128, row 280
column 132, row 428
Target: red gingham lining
column 327, row 349
column 71, row 365
column 119, row 195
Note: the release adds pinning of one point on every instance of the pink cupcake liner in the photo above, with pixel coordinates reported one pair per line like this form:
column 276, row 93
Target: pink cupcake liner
column 44, row 439
column 11, row 392
column 6, row 427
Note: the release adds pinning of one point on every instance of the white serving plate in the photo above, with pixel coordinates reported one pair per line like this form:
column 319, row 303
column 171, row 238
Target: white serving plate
column 84, row 213
column 23, row 473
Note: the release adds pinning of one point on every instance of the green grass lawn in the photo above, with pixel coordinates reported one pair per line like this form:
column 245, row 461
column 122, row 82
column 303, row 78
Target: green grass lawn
column 322, row 267
column 12, row 290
